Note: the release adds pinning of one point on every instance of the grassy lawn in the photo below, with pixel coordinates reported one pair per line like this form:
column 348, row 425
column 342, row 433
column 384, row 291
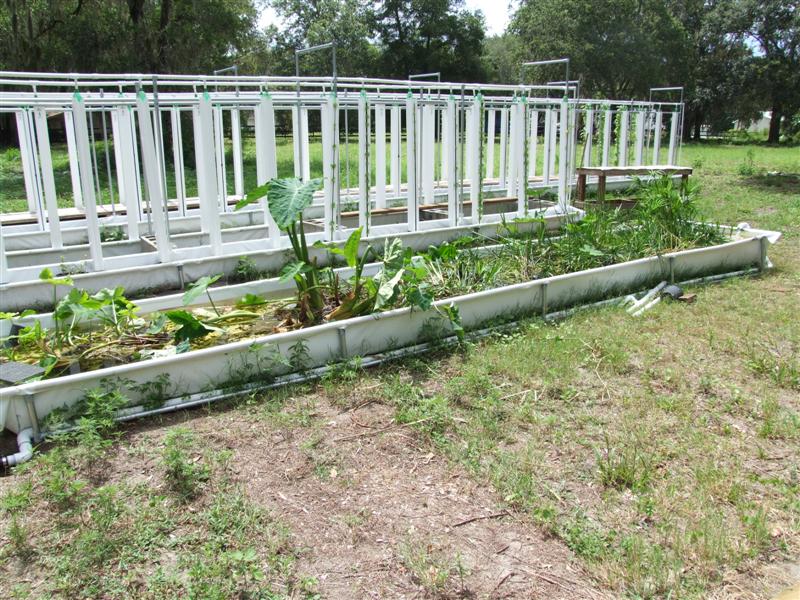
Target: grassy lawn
column 609, row 456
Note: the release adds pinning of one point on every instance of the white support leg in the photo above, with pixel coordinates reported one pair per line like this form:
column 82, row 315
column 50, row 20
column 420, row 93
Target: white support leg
column 296, row 129
column 363, row 163
column 26, row 150
column 588, row 134
column 3, row 259
column 304, row 148
column 638, row 146
column 607, row 124
column 127, row 175
column 177, row 158
column 207, row 173
column 657, row 138
column 444, row 154
column 474, row 134
column 563, row 171
column 48, row 180
column 152, row 177
column 266, row 162
column 72, row 153
column 394, row 151
column 503, row 146
column 87, row 182
column 622, row 153
column 380, row 156
column 428, row 143
column 513, row 149
column 330, row 167
column 449, row 146
column 554, row 143
column 533, row 143
column 219, row 152
column 673, row 139
column 412, row 201
column 236, row 142
column 548, row 132
column 490, row 143
column 522, row 180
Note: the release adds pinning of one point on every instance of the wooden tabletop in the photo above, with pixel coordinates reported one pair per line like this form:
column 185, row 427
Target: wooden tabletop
column 640, row 170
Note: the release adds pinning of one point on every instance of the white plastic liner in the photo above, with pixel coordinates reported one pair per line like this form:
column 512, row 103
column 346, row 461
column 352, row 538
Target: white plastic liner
column 212, row 368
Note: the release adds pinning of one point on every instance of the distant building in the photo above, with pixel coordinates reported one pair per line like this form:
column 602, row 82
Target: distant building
column 760, row 125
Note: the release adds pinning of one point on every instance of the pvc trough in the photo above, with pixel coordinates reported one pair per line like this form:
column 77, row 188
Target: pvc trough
column 230, row 367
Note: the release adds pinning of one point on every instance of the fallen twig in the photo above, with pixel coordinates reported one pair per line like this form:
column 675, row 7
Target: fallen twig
column 503, row 513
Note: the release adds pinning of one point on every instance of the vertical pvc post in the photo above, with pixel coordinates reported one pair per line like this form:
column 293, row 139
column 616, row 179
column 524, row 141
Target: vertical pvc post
column 622, row 158
column 554, row 141
column 152, row 178
column 513, row 149
column 330, row 166
column 72, row 153
column 444, row 153
column 380, row 156
column 394, row 151
column 673, row 138
column 26, row 152
column 298, row 167
column 657, row 138
column 207, row 173
column 3, row 259
column 503, row 146
column 304, row 144
column 127, row 175
column 475, row 135
column 48, row 181
column 563, row 170
column 450, row 147
column 638, row 147
column 219, row 151
column 607, row 122
column 236, row 142
column 363, row 163
column 490, row 143
column 177, row 158
column 588, row 129
column 548, row 126
column 87, row 181
column 428, row 144
column 266, row 162
column 412, row 202
column 522, row 179
column 533, row 143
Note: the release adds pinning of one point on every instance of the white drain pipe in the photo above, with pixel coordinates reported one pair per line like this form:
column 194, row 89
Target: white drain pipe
column 25, row 445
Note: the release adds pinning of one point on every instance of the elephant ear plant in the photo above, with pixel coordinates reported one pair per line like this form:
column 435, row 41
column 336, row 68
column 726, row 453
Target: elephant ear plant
column 287, row 199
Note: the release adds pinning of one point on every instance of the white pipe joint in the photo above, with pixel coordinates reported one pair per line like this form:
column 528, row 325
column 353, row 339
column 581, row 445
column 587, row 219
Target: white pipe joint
column 25, row 445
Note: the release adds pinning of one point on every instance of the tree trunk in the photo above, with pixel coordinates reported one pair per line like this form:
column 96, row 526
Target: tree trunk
column 775, row 124
column 698, row 126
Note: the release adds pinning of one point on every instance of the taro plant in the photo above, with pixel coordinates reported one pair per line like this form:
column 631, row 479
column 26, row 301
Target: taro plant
column 287, row 199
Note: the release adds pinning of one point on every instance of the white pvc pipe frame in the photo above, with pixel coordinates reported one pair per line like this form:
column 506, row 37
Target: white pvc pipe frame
column 462, row 135
column 201, row 370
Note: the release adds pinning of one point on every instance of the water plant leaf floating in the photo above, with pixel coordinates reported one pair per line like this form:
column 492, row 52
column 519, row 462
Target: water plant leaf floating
column 190, row 326
column 251, row 300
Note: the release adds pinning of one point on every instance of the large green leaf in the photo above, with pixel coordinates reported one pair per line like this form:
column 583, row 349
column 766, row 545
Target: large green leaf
column 47, row 276
column 387, row 289
column 190, row 326
column 293, row 270
column 288, row 198
column 253, row 196
column 198, row 288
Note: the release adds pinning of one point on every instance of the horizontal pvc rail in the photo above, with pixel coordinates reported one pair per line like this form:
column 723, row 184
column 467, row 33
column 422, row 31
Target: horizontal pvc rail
column 380, row 332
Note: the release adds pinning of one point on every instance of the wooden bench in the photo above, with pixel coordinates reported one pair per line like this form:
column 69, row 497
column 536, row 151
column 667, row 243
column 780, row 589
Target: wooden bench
column 602, row 172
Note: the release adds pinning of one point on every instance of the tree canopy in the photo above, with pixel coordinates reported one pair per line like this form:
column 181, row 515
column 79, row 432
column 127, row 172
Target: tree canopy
column 734, row 57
